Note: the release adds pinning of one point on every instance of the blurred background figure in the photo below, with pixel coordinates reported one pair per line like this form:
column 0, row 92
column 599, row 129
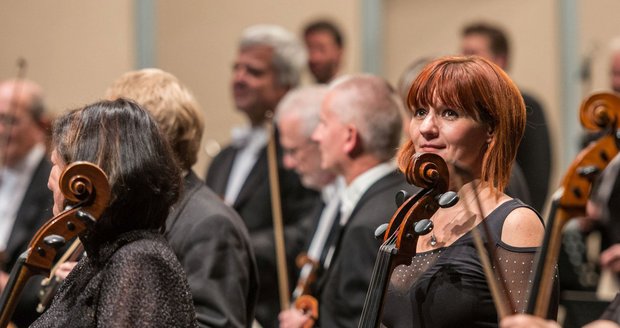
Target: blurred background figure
column 297, row 117
column 325, row 44
column 267, row 65
column 25, row 201
column 602, row 211
column 534, row 153
column 207, row 236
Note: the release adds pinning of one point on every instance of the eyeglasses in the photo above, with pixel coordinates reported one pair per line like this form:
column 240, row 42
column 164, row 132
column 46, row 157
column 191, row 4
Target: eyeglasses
column 294, row 151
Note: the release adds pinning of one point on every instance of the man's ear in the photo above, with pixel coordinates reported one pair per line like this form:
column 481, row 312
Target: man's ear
column 353, row 142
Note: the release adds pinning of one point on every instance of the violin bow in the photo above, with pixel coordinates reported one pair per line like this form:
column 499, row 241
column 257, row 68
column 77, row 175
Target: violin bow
column 486, row 253
column 21, row 74
column 276, row 208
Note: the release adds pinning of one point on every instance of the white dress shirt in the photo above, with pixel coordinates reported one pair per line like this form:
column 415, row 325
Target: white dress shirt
column 13, row 186
column 250, row 142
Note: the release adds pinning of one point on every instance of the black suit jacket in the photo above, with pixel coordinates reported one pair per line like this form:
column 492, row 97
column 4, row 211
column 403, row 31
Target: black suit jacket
column 254, row 205
column 213, row 246
column 534, row 153
column 35, row 209
column 343, row 287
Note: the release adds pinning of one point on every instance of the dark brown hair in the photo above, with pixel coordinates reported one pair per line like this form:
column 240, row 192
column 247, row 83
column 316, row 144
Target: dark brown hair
column 125, row 142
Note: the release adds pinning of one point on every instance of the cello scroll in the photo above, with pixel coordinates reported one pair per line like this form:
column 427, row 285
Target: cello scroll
column 86, row 187
column 599, row 112
column 412, row 219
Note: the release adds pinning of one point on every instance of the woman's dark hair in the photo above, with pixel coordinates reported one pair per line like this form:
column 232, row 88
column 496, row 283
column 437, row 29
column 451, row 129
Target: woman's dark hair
column 126, row 143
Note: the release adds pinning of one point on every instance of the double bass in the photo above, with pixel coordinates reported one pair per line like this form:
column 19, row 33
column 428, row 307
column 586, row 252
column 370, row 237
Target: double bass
column 85, row 186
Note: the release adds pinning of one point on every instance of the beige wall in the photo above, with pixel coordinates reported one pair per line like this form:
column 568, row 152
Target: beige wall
column 76, row 48
column 599, row 25
column 73, row 48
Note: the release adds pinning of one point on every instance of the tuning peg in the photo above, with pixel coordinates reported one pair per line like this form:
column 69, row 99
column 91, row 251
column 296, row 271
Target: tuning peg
column 85, row 217
column 380, row 231
column 423, row 227
column 448, row 199
column 588, row 172
column 54, row 241
column 401, row 197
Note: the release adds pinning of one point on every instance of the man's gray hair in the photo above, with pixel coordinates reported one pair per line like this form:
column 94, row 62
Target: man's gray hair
column 305, row 103
column 289, row 55
column 372, row 105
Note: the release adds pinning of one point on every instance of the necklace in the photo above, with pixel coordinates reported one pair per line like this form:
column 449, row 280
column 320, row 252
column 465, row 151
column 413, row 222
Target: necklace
column 433, row 241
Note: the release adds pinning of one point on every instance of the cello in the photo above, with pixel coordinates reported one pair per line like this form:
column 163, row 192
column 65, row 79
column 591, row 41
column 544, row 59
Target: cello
column 600, row 112
column 86, row 187
column 411, row 219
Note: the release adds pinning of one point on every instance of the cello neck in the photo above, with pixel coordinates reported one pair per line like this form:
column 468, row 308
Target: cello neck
column 8, row 301
column 542, row 281
column 382, row 271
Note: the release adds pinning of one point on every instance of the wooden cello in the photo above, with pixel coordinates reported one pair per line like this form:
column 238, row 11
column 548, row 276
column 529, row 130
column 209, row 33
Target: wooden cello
column 598, row 112
column 86, row 187
column 412, row 219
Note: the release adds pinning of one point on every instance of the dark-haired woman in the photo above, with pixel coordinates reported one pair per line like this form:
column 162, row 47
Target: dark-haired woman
column 130, row 276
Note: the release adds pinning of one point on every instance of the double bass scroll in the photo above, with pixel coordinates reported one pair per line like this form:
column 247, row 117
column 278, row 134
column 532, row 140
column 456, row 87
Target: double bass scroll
column 86, row 187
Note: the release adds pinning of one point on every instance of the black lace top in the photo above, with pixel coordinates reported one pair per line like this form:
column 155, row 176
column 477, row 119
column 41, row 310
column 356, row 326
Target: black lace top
column 134, row 280
column 446, row 287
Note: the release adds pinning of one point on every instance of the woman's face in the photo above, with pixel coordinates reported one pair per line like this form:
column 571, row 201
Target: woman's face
column 52, row 183
column 450, row 133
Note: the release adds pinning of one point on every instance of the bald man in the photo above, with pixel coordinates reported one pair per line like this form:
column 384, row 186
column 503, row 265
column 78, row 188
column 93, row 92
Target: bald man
column 25, row 201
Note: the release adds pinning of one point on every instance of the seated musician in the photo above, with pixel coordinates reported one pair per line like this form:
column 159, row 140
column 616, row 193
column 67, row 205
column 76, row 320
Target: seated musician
column 297, row 116
column 130, row 276
column 209, row 238
column 358, row 132
column 468, row 111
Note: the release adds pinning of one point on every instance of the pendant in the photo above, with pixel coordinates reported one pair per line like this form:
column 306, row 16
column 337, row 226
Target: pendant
column 433, row 240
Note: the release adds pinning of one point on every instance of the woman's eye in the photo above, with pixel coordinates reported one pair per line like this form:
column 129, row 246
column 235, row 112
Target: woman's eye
column 450, row 113
column 420, row 113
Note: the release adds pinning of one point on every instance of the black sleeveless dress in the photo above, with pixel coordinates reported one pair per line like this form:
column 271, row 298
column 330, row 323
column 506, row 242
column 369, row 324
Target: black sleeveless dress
column 446, row 287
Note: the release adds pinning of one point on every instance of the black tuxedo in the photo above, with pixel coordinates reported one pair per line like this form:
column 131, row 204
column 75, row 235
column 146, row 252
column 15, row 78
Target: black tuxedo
column 254, row 205
column 35, row 209
column 343, row 287
column 213, row 246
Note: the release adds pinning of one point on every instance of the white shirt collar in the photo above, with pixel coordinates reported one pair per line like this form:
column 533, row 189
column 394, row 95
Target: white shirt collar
column 333, row 190
column 249, row 136
column 356, row 189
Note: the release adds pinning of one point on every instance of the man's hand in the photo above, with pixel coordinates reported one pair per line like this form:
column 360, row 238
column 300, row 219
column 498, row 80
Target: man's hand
column 293, row 318
column 63, row 270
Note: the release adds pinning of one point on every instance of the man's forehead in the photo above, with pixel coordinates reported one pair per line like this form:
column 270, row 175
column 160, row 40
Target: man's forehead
column 18, row 105
column 259, row 54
